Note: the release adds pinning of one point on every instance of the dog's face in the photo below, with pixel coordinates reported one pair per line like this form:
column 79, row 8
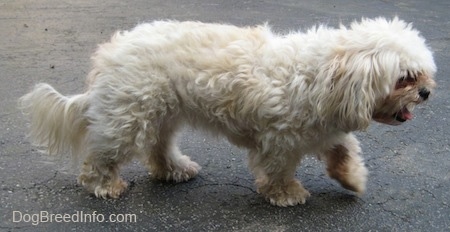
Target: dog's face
column 381, row 72
column 410, row 89
column 411, row 81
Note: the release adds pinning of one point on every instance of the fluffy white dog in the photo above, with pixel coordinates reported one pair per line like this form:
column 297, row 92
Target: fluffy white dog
column 279, row 96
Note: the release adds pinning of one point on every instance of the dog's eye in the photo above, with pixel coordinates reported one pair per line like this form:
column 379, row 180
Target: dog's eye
column 401, row 83
column 408, row 78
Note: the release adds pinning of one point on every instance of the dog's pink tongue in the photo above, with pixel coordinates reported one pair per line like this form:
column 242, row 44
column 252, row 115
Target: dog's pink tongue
column 406, row 114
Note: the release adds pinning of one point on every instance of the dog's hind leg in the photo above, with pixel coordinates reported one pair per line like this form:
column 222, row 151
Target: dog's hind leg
column 345, row 165
column 100, row 175
column 275, row 178
column 110, row 143
column 164, row 159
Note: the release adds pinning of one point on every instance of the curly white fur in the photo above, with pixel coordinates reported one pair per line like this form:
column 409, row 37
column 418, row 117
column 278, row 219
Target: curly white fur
column 280, row 96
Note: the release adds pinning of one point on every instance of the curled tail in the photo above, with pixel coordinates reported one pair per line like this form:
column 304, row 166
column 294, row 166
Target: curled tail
column 57, row 122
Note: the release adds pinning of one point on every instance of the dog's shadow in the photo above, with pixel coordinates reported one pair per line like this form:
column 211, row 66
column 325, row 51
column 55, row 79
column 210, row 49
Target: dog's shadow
column 230, row 190
column 231, row 193
column 226, row 201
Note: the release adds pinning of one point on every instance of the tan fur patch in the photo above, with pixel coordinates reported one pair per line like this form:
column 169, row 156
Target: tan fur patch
column 338, row 169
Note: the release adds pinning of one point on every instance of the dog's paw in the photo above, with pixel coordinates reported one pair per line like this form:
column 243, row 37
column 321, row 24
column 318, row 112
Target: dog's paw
column 184, row 173
column 183, row 170
column 104, row 190
column 112, row 190
column 356, row 179
column 289, row 199
column 286, row 195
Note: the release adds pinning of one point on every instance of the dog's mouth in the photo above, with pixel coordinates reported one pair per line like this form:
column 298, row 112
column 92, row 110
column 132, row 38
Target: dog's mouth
column 403, row 115
column 399, row 117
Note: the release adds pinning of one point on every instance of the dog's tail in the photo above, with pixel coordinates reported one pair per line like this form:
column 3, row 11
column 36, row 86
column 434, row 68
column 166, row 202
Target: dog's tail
column 57, row 122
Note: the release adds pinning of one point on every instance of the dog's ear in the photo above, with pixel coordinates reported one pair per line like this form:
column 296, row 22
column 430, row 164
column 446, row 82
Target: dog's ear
column 352, row 83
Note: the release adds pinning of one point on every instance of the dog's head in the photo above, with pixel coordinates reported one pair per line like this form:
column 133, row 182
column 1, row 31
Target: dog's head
column 410, row 89
column 382, row 70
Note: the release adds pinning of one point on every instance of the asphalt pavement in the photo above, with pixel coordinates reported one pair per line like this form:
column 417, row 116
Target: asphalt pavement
column 51, row 41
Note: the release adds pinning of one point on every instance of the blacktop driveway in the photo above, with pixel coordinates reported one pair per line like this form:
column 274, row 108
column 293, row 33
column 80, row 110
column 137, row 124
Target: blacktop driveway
column 51, row 41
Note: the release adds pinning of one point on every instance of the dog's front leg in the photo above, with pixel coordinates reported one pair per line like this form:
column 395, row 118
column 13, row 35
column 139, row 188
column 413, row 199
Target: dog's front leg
column 275, row 177
column 345, row 165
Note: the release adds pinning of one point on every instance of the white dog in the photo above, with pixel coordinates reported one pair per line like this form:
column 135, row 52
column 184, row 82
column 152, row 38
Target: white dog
column 279, row 96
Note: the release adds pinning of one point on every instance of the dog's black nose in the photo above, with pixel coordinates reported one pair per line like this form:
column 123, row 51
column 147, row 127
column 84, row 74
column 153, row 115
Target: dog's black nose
column 424, row 93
